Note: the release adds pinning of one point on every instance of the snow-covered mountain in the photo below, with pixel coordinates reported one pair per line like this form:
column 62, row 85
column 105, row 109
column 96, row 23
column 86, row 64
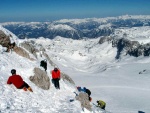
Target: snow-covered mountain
column 76, row 28
column 122, row 83
column 107, row 65
column 14, row 100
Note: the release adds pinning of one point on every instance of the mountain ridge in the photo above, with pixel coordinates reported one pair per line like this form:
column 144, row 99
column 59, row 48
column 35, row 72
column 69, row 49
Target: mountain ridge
column 76, row 28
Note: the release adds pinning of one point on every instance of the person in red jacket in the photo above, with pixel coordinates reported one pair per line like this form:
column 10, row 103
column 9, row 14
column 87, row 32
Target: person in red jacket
column 56, row 77
column 18, row 82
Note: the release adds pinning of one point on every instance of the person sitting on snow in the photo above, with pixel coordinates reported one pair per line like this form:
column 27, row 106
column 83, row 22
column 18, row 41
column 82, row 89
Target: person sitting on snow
column 18, row 82
column 101, row 104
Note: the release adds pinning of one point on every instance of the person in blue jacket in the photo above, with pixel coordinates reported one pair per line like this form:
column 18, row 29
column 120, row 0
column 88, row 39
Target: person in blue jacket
column 84, row 89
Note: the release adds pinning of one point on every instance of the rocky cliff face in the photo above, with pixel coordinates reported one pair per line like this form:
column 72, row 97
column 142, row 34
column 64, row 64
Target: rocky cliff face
column 4, row 39
column 133, row 48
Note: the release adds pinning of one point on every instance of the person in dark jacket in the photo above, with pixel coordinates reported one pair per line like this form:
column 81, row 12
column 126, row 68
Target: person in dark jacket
column 44, row 64
column 18, row 82
column 87, row 91
column 56, row 77
column 84, row 89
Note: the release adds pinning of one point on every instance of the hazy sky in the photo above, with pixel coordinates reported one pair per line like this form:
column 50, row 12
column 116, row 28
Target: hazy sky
column 48, row 10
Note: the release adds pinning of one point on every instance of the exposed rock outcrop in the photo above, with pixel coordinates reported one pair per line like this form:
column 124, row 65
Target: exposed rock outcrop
column 20, row 51
column 67, row 78
column 4, row 39
column 84, row 100
column 133, row 48
column 29, row 47
column 49, row 60
column 104, row 39
column 40, row 79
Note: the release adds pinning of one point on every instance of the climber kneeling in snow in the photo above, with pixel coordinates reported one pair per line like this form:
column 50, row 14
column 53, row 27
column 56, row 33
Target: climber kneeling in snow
column 18, row 82
column 101, row 104
column 56, row 77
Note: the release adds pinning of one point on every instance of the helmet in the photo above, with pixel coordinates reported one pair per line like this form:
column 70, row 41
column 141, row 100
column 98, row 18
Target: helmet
column 55, row 69
column 13, row 71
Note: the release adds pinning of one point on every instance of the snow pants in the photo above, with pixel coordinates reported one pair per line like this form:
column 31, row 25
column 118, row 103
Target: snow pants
column 56, row 83
column 24, row 85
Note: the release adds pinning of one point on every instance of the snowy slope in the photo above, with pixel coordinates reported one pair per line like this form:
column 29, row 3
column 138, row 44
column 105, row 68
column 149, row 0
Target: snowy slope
column 94, row 66
column 90, row 64
column 13, row 100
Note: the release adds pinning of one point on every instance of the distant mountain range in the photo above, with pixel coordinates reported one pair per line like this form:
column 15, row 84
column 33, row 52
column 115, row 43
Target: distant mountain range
column 75, row 28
